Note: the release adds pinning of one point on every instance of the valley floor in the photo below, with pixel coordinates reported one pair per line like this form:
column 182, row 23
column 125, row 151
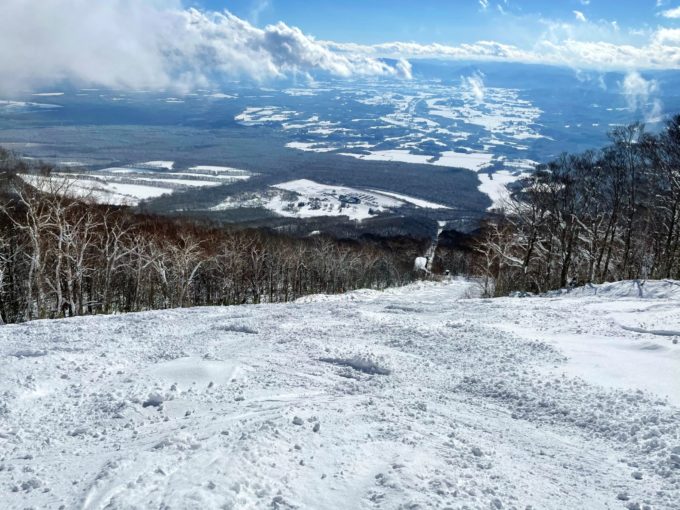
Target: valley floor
column 419, row 397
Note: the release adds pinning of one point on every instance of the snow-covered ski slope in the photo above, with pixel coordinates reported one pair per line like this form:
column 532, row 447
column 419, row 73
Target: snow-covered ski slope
column 419, row 397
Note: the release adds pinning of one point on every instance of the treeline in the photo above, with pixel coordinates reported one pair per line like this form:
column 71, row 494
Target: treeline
column 603, row 215
column 62, row 256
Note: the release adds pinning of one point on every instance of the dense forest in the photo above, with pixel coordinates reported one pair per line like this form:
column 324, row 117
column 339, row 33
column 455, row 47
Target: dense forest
column 599, row 216
column 62, row 256
column 604, row 215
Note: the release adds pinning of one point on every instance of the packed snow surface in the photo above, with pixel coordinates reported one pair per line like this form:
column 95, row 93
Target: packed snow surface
column 419, row 397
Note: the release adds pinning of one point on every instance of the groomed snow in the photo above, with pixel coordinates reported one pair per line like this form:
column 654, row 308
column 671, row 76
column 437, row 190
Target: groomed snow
column 419, row 397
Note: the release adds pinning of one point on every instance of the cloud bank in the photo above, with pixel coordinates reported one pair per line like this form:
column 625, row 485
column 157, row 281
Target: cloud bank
column 661, row 52
column 159, row 44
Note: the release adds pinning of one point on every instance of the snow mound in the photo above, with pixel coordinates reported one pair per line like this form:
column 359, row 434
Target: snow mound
column 195, row 371
column 349, row 296
column 644, row 289
column 236, row 328
column 361, row 363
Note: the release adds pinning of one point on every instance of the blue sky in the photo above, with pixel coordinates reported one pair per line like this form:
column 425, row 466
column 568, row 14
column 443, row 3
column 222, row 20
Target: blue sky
column 452, row 21
column 186, row 44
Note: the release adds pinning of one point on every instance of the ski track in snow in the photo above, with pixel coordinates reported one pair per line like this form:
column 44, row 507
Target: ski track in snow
column 418, row 397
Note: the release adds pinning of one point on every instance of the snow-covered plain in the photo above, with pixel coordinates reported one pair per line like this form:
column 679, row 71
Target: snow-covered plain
column 495, row 185
column 103, row 191
column 486, row 130
column 411, row 200
column 303, row 198
column 419, row 397
column 131, row 184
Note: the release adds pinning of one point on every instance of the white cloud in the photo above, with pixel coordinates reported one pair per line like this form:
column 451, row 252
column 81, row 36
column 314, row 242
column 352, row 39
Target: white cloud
column 562, row 45
column 474, row 84
column 640, row 95
column 669, row 36
column 156, row 44
column 672, row 13
column 404, row 68
column 580, row 16
column 637, row 89
column 481, row 50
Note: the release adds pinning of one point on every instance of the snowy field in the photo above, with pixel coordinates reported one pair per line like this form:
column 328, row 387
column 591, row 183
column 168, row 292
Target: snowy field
column 303, row 198
column 131, row 184
column 485, row 130
column 425, row 117
column 420, row 397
